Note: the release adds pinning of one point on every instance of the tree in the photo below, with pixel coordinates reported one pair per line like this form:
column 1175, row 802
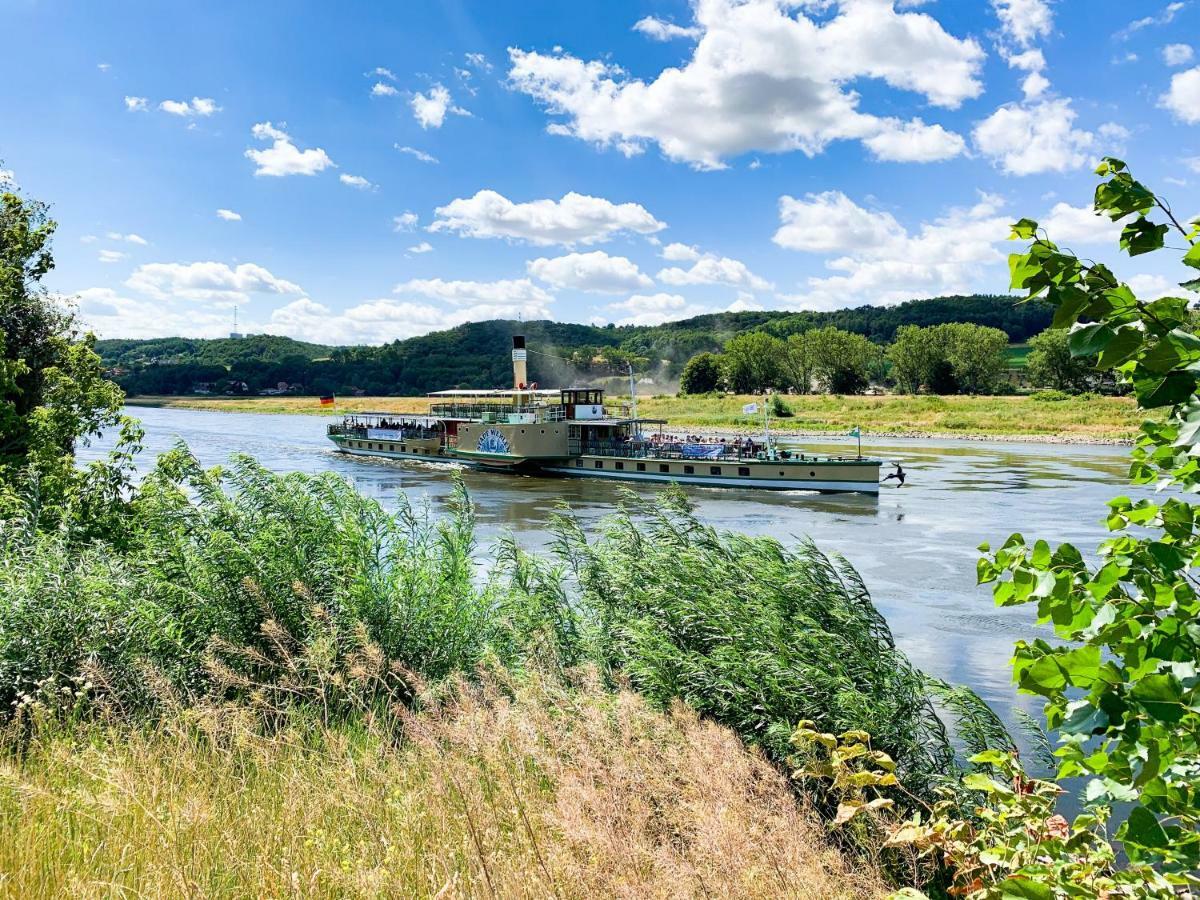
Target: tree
column 701, row 375
column 1050, row 363
column 954, row 357
column 842, row 361
column 798, row 363
column 53, row 392
column 752, row 362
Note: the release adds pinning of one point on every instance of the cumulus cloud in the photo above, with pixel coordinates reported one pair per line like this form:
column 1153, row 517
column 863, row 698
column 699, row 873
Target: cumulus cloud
column 711, row 269
column 1026, row 139
column 660, row 30
column 1068, row 224
column 111, row 256
column 680, row 253
column 1183, row 97
column 506, row 293
column 1030, row 60
column 113, row 315
column 876, row 260
column 1034, row 85
column 380, row 89
column 763, row 78
column 207, row 281
column 1177, row 54
column 417, row 154
column 1164, row 17
column 595, row 272
column 1024, row 21
column 198, row 106
column 136, row 104
column 355, row 181
column 127, row 238
column 423, row 247
column 229, row 215
column 575, row 219
column 283, row 157
column 653, row 309
column 430, row 109
column 406, row 221
column 382, row 72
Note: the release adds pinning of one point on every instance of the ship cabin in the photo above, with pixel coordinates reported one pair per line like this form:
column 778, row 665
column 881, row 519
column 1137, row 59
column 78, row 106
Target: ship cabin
column 389, row 434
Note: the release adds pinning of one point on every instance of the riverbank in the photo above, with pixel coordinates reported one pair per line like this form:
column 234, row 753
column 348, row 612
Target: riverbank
column 1076, row 420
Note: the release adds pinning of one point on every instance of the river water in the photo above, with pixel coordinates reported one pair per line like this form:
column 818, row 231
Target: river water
column 915, row 546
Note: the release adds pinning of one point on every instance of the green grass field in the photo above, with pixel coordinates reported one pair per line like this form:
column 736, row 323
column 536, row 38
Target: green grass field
column 1077, row 418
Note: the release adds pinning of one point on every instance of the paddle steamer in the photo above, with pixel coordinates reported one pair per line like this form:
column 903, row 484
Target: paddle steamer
column 572, row 432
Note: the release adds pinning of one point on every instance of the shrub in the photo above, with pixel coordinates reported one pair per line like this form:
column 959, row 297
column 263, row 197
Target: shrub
column 1050, row 396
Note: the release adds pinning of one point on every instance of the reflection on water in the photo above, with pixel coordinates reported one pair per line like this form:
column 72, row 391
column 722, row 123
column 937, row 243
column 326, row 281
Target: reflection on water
column 915, row 546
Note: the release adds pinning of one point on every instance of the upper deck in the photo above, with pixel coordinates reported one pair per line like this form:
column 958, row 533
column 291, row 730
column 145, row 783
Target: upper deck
column 519, row 407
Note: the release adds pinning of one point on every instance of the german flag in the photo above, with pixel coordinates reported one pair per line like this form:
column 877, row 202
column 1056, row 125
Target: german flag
column 327, row 400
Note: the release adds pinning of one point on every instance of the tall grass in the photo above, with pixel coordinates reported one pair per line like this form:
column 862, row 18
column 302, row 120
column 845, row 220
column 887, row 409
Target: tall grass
column 504, row 789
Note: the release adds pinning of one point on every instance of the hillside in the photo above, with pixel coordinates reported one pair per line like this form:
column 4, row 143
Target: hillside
column 476, row 354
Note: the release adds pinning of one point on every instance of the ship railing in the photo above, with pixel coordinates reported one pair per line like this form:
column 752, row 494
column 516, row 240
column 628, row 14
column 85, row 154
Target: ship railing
column 361, row 431
column 688, row 452
column 498, row 412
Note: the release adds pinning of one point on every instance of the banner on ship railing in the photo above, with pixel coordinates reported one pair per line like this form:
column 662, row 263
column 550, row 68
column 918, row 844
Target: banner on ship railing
column 385, row 434
column 703, row 451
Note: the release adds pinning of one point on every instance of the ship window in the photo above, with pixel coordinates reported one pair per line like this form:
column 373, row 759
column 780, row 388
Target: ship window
column 544, row 431
column 810, row 474
column 392, row 447
column 689, row 470
column 641, row 467
column 579, row 463
column 599, row 464
column 663, row 467
column 743, row 470
column 522, row 431
column 402, row 450
column 714, row 470
column 620, row 465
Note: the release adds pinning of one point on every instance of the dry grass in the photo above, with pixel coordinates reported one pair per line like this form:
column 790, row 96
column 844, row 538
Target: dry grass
column 529, row 790
column 1102, row 418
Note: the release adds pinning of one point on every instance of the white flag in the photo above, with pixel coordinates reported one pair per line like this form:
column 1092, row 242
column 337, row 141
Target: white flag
column 750, row 409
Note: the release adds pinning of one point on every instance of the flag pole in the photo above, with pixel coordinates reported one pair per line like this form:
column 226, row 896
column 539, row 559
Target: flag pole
column 766, row 426
column 858, row 434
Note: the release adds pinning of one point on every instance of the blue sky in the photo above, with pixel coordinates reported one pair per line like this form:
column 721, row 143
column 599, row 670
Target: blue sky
column 361, row 172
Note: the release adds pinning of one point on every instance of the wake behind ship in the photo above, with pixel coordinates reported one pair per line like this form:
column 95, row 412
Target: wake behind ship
column 571, row 432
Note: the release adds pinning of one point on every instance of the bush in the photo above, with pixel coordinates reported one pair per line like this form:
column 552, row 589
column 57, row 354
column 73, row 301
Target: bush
column 1050, row 396
column 779, row 408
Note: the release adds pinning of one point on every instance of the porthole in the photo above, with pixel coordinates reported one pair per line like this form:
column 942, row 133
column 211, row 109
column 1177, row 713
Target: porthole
column 641, row 467
column 663, row 467
column 743, row 470
column 811, row 474
column 619, row 465
column 689, row 470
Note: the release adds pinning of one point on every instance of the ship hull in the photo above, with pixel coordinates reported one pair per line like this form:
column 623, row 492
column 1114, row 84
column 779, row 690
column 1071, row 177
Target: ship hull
column 820, row 483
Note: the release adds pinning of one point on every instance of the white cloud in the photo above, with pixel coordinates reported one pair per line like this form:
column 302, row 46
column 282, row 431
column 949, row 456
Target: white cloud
column 112, row 315
column 381, row 72
column 715, row 270
column 660, row 30
column 199, row 106
column 111, row 256
column 1028, row 139
column 229, row 215
column 88, row 239
column 680, row 253
column 914, row 141
column 1068, row 224
column 575, row 219
column 761, row 78
column 207, row 281
column 1114, row 137
column 831, row 221
column 1034, row 85
column 1024, row 21
column 506, row 293
column 283, row 157
column 1183, row 98
column 127, row 238
column 136, row 104
column 1193, row 163
column 1166, row 17
column 880, row 260
column 652, row 309
column 479, row 61
column 1030, row 61
column 423, row 247
column 1177, row 54
column 595, row 272
column 417, row 154
column 355, row 181
column 103, row 67
column 406, row 221
column 744, row 303
column 430, row 109
column 379, row 89
column 1151, row 287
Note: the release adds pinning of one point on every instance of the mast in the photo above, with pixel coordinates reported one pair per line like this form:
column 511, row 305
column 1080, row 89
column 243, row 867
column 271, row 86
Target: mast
column 519, row 356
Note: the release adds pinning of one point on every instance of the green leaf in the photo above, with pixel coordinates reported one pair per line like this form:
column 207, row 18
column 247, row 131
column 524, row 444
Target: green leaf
column 1019, row 887
column 1142, row 828
column 1126, row 343
column 1090, row 340
column 1192, row 257
column 1142, row 236
column 1025, row 230
column 1161, row 695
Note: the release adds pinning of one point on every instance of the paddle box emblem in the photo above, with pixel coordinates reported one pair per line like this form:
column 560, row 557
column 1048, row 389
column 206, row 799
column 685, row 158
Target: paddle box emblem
column 492, row 441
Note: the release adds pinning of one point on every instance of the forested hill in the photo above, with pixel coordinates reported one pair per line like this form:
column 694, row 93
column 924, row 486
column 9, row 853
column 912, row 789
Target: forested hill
column 476, row 354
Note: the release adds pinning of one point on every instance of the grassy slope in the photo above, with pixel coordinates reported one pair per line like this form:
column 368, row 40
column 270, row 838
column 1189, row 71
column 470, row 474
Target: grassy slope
column 553, row 793
column 1106, row 418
